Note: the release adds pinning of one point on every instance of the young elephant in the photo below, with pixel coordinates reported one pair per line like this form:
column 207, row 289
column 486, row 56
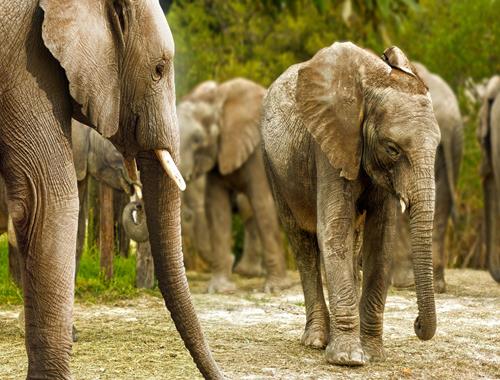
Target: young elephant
column 447, row 166
column 220, row 133
column 489, row 138
column 348, row 133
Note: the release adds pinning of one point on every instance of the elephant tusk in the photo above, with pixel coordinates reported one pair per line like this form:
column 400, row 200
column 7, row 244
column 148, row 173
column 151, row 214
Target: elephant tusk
column 403, row 205
column 137, row 192
column 169, row 166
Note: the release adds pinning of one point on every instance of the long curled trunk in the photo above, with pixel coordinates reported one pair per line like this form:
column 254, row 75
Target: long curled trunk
column 162, row 202
column 421, row 224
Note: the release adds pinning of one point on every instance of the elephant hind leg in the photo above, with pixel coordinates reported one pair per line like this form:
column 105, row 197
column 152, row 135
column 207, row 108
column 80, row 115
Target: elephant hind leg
column 307, row 256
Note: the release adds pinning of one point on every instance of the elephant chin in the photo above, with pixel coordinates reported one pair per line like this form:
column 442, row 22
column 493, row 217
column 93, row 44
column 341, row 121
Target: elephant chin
column 134, row 222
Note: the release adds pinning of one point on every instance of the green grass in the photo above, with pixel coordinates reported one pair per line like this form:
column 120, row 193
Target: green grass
column 91, row 286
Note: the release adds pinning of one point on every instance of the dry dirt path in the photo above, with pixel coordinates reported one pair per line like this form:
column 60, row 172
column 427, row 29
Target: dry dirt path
column 256, row 336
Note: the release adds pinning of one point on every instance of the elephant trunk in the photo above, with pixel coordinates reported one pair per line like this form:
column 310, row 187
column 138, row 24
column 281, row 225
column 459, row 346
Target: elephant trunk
column 162, row 202
column 134, row 222
column 421, row 225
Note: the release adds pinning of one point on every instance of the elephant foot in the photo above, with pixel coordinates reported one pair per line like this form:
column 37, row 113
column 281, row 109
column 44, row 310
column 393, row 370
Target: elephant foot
column 374, row 349
column 315, row 335
column 439, row 285
column 248, row 268
column 345, row 350
column 221, row 285
column 275, row 284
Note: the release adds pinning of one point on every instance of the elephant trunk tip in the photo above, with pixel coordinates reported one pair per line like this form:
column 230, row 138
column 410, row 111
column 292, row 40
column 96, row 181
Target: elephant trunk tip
column 424, row 331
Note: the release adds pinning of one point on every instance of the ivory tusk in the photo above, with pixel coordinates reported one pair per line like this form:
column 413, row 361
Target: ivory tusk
column 169, row 166
column 403, row 206
column 137, row 192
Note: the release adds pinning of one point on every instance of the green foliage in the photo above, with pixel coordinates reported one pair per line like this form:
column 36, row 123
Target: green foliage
column 260, row 39
column 9, row 293
column 91, row 286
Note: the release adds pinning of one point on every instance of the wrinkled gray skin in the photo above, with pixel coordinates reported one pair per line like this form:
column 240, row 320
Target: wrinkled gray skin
column 220, row 133
column 448, row 158
column 196, row 237
column 489, row 138
column 113, row 70
column 346, row 133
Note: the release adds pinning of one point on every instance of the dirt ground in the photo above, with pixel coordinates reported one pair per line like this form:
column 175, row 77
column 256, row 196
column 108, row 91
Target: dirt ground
column 256, row 336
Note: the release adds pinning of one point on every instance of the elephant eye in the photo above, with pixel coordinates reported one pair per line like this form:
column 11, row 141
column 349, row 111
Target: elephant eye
column 159, row 71
column 392, row 150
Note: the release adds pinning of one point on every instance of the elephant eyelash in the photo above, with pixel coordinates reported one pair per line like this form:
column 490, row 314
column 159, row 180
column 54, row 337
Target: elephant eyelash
column 159, row 71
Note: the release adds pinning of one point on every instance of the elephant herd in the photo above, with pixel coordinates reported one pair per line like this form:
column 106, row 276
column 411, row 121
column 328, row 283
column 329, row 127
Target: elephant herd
column 353, row 157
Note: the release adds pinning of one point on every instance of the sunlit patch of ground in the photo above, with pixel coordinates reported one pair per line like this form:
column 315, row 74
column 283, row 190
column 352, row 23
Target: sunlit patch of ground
column 256, row 336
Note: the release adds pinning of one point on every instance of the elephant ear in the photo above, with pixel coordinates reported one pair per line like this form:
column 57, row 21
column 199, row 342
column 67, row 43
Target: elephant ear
column 395, row 58
column 240, row 105
column 492, row 90
column 329, row 101
column 87, row 37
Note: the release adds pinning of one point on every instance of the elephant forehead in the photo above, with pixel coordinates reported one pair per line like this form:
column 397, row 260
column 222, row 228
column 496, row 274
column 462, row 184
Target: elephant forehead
column 159, row 27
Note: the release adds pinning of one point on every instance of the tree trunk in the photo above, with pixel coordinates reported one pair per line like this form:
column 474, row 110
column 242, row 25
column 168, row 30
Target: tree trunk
column 93, row 213
column 106, row 230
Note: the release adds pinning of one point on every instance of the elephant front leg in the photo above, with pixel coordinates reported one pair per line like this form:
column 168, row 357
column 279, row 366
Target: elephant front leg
column 335, row 213
column 378, row 242
column 219, row 221
column 43, row 204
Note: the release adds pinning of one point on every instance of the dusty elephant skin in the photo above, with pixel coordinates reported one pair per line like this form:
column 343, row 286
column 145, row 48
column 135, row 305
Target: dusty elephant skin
column 55, row 65
column 220, row 132
column 489, row 139
column 347, row 133
column 448, row 158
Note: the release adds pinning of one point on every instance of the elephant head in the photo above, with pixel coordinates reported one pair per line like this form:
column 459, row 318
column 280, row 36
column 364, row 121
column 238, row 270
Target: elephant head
column 373, row 117
column 219, row 126
column 118, row 57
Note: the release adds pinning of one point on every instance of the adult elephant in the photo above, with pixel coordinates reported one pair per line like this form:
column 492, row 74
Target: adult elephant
column 220, row 133
column 448, row 158
column 348, row 133
column 489, row 139
column 109, row 64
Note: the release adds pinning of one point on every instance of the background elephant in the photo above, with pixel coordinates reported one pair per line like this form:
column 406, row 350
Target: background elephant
column 113, row 70
column 196, row 237
column 341, row 139
column 95, row 156
column 489, row 139
column 220, row 135
column 448, row 158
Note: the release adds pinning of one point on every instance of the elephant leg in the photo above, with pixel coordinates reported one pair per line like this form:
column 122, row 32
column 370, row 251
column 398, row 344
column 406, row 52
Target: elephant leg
column 441, row 215
column 15, row 262
column 219, row 221
column 492, row 221
column 43, row 204
column 378, row 242
column 264, row 211
column 250, row 263
column 82, row 219
column 402, row 266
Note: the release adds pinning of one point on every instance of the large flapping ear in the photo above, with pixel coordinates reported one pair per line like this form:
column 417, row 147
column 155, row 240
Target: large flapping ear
column 86, row 38
column 395, row 58
column 239, row 102
column 330, row 102
column 492, row 90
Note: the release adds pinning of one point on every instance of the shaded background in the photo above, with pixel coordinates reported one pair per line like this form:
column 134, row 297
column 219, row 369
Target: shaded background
column 259, row 39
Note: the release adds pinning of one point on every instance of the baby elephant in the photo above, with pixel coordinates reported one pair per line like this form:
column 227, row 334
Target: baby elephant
column 348, row 134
